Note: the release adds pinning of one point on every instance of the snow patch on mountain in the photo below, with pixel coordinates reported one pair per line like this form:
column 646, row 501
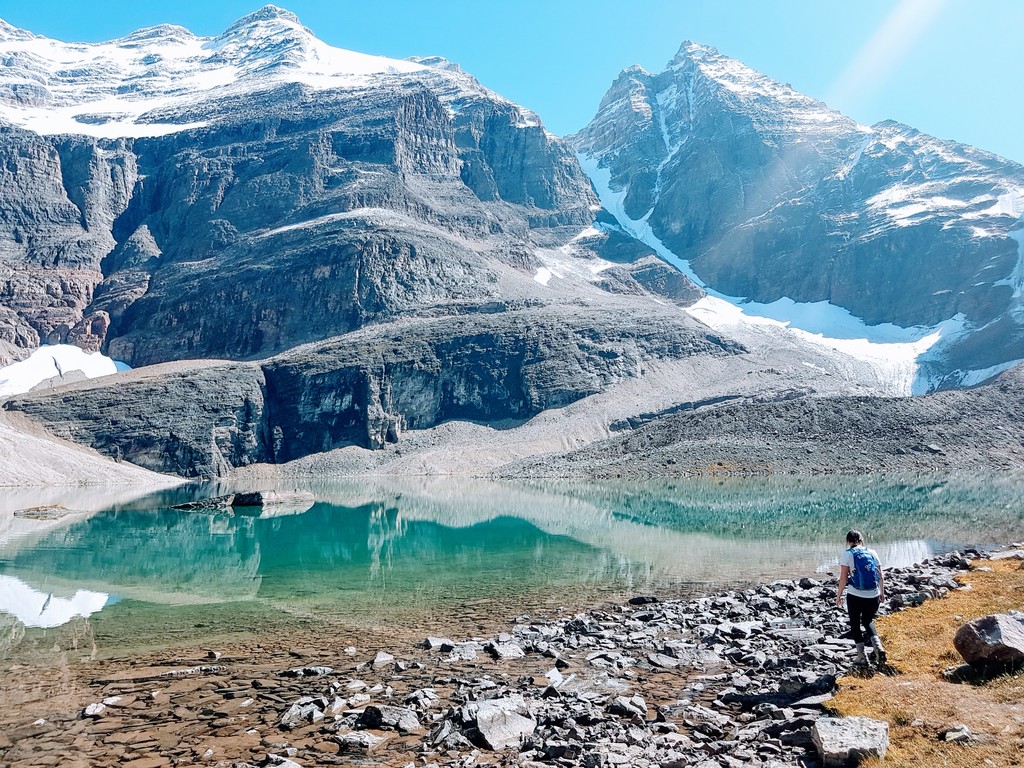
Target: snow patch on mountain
column 108, row 89
column 893, row 352
column 58, row 361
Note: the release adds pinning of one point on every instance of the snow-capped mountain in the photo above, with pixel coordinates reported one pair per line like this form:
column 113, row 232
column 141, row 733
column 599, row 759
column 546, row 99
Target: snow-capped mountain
column 140, row 84
column 260, row 189
column 769, row 196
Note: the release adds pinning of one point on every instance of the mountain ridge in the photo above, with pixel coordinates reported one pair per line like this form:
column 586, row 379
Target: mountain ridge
column 764, row 194
column 381, row 248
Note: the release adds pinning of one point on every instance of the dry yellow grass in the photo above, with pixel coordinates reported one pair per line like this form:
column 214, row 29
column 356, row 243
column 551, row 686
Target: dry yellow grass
column 918, row 704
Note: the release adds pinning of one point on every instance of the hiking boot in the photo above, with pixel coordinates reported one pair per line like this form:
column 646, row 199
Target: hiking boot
column 880, row 657
column 862, row 658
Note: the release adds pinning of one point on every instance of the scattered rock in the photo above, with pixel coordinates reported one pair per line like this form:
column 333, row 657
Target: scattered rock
column 359, row 742
column 307, row 672
column 959, row 733
column 1008, row 554
column 502, row 728
column 504, row 651
column 385, row 717
column 382, row 659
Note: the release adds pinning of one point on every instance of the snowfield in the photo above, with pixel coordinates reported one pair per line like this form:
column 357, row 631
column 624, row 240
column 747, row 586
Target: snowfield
column 54, row 361
column 895, row 353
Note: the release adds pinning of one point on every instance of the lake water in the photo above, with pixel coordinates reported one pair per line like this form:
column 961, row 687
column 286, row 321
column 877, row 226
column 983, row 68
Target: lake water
column 374, row 553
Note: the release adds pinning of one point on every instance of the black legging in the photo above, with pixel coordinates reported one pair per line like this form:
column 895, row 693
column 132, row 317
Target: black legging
column 862, row 612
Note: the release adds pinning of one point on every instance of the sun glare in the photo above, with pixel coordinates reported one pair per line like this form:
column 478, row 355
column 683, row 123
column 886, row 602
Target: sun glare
column 883, row 52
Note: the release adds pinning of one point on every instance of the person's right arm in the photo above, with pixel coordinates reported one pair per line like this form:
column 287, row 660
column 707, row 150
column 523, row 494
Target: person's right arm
column 844, row 574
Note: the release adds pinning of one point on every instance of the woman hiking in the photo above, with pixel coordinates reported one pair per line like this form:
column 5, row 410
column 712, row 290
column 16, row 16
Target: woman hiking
column 860, row 574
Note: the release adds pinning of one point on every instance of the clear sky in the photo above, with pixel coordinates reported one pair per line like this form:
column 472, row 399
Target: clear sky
column 948, row 67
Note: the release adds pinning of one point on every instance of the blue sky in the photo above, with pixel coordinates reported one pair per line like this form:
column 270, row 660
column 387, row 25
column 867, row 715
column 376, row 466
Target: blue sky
column 947, row 67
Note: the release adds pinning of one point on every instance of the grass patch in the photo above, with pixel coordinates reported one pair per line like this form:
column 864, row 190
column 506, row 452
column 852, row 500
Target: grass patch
column 918, row 704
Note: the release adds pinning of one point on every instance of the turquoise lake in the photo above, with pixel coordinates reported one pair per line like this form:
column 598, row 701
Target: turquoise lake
column 374, row 553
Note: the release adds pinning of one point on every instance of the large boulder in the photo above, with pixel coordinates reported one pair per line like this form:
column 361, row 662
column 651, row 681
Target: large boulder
column 992, row 641
column 845, row 741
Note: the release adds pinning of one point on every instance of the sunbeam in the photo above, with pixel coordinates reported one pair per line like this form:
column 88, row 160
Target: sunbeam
column 883, row 52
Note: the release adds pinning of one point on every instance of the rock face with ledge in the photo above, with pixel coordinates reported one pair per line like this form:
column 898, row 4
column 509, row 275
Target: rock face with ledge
column 363, row 389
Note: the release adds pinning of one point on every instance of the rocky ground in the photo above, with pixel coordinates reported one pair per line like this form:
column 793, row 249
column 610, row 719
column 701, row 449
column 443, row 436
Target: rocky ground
column 973, row 429
column 723, row 680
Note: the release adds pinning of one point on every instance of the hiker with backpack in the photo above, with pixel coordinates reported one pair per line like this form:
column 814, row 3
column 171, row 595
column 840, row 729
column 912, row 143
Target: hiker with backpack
column 860, row 575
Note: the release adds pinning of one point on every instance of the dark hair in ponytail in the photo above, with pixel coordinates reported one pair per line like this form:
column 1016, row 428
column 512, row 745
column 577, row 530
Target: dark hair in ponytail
column 854, row 538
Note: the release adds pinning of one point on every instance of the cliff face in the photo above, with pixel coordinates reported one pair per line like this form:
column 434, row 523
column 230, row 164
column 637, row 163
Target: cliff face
column 364, row 389
column 304, row 193
column 61, row 196
column 769, row 194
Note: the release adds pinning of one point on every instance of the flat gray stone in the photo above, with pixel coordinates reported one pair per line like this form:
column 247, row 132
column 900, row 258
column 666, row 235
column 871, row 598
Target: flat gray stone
column 382, row 659
column 845, row 741
column 503, row 728
column 359, row 742
column 1013, row 554
column 506, row 650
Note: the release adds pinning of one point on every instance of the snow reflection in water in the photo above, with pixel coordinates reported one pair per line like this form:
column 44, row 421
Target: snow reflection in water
column 376, row 547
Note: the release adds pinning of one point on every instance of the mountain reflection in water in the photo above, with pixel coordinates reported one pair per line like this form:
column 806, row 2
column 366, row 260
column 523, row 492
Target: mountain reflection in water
column 444, row 540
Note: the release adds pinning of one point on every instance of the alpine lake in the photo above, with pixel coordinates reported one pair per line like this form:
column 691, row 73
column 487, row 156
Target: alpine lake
column 116, row 571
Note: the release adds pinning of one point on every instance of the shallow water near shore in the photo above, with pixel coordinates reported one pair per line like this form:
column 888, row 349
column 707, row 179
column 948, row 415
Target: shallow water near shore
column 127, row 572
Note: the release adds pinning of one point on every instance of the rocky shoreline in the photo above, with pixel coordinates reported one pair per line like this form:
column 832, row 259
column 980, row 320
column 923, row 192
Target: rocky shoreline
column 729, row 679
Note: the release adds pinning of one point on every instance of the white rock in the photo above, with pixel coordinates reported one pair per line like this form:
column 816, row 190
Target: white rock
column 841, row 741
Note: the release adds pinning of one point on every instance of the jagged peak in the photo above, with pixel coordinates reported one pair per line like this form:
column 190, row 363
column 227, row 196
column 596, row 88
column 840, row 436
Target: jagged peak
column 634, row 69
column 691, row 50
column 266, row 13
column 894, row 126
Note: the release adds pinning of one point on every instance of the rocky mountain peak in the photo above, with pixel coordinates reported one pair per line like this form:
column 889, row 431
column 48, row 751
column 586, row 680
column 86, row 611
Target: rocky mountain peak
column 268, row 13
column 769, row 194
column 267, row 38
column 690, row 50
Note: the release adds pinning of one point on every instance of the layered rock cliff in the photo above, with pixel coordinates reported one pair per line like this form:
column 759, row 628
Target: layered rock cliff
column 238, row 195
column 365, row 389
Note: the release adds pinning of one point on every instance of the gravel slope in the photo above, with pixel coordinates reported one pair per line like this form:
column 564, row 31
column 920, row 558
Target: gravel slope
column 976, row 429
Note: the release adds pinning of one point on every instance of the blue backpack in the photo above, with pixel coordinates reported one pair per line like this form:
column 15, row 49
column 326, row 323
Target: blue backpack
column 864, row 574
